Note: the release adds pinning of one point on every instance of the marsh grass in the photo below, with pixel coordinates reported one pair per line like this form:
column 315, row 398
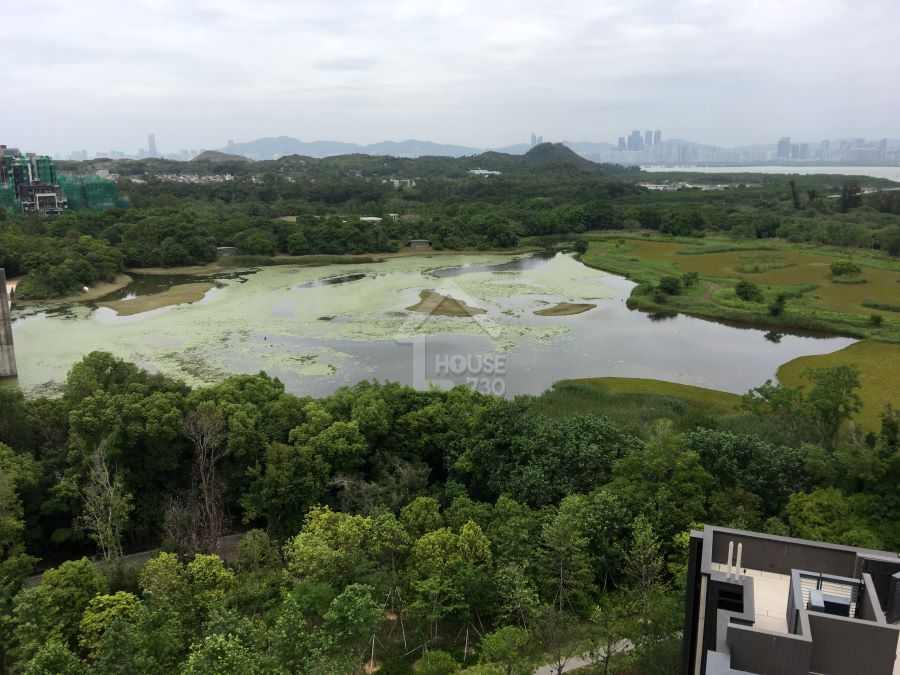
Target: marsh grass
column 879, row 366
column 636, row 403
column 798, row 271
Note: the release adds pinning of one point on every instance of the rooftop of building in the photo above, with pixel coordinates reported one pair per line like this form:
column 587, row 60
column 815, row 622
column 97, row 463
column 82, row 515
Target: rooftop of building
column 778, row 604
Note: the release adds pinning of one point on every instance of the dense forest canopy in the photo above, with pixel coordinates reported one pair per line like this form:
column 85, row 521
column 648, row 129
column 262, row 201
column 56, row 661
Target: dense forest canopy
column 300, row 206
column 416, row 531
column 481, row 530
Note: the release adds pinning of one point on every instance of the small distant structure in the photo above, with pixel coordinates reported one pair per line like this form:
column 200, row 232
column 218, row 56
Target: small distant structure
column 371, row 220
column 402, row 183
column 419, row 244
column 395, row 217
column 226, row 251
column 484, row 172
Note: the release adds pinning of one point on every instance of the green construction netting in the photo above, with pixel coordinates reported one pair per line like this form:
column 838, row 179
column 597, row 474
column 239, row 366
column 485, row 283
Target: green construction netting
column 7, row 198
column 89, row 192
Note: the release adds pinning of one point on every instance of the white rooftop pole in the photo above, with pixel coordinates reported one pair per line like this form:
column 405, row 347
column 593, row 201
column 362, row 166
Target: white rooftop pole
column 730, row 555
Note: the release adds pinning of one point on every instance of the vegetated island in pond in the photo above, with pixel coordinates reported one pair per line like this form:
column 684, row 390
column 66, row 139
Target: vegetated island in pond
column 565, row 309
column 432, row 302
column 176, row 295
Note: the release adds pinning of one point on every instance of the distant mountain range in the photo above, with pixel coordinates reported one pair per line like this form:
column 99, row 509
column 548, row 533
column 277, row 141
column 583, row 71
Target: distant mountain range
column 281, row 146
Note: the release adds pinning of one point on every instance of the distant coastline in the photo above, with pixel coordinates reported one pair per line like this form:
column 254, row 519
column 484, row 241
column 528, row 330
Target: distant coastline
column 888, row 172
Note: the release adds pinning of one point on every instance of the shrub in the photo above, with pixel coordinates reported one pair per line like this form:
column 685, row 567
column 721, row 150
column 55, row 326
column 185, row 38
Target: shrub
column 670, row 285
column 777, row 307
column 580, row 246
column 690, row 279
column 844, row 268
column 876, row 319
column 436, row 662
column 748, row 291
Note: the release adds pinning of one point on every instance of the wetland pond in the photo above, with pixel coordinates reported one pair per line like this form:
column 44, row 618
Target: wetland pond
column 406, row 320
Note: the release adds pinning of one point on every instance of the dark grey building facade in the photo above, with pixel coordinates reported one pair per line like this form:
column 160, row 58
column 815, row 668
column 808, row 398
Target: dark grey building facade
column 758, row 603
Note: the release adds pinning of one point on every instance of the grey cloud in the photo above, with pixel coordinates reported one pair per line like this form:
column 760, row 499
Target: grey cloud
column 477, row 73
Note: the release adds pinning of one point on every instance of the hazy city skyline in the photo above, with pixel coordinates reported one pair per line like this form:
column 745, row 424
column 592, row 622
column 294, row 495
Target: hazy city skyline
column 481, row 74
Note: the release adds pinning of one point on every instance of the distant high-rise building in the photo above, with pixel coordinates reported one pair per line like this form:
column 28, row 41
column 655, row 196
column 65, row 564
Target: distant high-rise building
column 648, row 139
column 657, row 137
column 635, row 141
column 151, row 145
column 533, row 139
column 622, row 145
column 784, row 148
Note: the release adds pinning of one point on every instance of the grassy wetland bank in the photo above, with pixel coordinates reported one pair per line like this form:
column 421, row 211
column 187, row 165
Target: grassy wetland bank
column 786, row 286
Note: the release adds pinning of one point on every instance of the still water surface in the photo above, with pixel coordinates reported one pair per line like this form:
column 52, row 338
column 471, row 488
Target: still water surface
column 320, row 328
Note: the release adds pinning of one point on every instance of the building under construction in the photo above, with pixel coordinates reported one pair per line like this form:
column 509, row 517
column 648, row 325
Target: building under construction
column 30, row 183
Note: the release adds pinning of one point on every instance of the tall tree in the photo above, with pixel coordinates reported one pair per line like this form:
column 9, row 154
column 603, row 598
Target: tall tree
column 205, row 427
column 106, row 506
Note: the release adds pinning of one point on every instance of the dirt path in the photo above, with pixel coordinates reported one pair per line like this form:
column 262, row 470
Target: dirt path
column 578, row 662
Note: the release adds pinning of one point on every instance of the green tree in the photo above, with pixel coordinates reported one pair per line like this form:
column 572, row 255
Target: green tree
column 834, row 399
column 352, row 618
column 333, row 548
column 612, row 624
column 106, row 507
column 422, row 515
column 222, row 655
column 99, row 615
column 827, row 514
column 152, row 641
column 565, row 564
column 519, row 599
column 436, row 662
column 293, row 479
column 670, row 285
column 449, row 571
column 851, row 196
column 748, row 291
column 643, row 562
column 209, row 582
column 777, row 307
column 508, row 647
column 53, row 609
column 54, row 658
column 665, row 482
column 17, row 473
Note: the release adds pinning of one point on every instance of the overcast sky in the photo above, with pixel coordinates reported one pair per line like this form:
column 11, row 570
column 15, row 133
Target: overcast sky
column 101, row 74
